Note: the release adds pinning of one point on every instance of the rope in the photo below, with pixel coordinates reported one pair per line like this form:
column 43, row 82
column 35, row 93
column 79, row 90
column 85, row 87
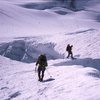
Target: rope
column 48, row 73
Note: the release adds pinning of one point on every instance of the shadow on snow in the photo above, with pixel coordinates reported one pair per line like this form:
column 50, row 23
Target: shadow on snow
column 87, row 62
column 48, row 80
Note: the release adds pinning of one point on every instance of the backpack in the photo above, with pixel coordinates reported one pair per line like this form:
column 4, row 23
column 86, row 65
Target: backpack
column 42, row 61
column 67, row 48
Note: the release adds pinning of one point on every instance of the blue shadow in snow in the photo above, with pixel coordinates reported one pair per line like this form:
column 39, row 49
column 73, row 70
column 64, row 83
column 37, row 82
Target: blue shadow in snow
column 49, row 79
column 79, row 32
column 87, row 62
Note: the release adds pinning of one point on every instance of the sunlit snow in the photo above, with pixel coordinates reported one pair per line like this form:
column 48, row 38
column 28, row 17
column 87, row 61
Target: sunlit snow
column 30, row 32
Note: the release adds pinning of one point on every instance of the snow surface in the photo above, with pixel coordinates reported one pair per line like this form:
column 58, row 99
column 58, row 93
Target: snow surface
column 49, row 31
column 17, row 21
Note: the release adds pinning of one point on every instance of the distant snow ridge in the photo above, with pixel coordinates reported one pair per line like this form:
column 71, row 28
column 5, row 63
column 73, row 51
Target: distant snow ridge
column 28, row 51
column 74, row 5
column 41, row 6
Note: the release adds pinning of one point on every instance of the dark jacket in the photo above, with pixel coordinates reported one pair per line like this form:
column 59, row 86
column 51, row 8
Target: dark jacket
column 69, row 48
column 42, row 61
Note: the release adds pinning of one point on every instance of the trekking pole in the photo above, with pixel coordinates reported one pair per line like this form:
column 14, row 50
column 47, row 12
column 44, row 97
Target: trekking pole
column 35, row 69
column 49, row 74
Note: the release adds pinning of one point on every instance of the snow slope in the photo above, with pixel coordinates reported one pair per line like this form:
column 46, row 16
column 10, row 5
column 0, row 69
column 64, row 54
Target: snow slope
column 18, row 81
column 64, row 78
column 17, row 21
column 49, row 31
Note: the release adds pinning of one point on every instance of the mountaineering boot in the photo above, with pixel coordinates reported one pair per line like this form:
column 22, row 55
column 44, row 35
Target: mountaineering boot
column 41, row 79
